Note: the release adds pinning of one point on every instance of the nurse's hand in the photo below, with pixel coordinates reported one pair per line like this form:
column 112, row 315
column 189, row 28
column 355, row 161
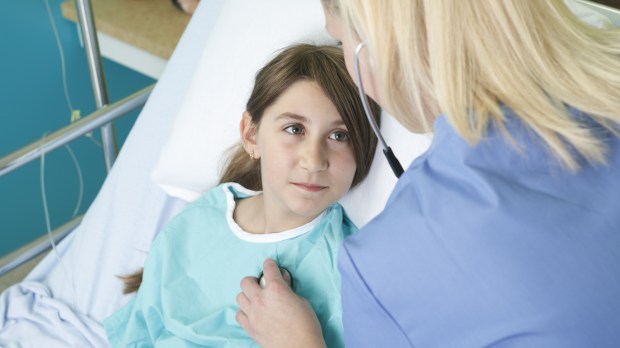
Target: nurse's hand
column 275, row 316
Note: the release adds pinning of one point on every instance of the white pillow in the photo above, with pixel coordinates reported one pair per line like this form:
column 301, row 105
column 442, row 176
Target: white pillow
column 246, row 36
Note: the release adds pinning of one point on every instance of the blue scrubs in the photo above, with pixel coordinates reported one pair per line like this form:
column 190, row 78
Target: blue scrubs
column 486, row 246
column 192, row 274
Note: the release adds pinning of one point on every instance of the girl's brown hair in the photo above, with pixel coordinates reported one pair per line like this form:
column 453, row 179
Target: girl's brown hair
column 302, row 62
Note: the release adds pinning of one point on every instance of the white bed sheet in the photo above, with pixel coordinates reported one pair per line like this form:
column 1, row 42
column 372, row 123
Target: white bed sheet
column 44, row 310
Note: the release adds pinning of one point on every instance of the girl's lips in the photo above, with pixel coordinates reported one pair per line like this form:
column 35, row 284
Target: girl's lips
column 309, row 187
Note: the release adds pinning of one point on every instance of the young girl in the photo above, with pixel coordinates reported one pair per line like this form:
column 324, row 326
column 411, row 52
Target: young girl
column 304, row 145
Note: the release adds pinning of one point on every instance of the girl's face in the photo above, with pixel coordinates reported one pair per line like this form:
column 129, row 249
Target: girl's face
column 307, row 160
column 335, row 27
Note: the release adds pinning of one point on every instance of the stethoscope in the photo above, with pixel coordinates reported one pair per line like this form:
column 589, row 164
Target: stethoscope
column 387, row 151
column 286, row 275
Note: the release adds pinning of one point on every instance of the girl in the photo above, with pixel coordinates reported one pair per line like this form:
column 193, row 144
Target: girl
column 304, row 145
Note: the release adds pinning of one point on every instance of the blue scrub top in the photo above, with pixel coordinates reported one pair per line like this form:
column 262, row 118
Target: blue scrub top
column 487, row 245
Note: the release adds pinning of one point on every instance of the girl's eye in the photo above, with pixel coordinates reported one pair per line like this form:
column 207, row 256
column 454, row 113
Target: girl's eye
column 339, row 136
column 339, row 44
column 294, row 129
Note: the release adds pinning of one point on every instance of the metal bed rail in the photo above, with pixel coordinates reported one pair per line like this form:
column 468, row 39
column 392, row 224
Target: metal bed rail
column 57, row 139
column 101, row 118
column 12, row 261
column 74, row 130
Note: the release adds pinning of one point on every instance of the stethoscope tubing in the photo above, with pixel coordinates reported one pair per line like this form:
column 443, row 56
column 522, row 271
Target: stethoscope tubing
column 397, row 168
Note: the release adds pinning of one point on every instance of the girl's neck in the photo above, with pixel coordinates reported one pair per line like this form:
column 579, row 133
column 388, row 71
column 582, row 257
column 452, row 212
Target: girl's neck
column 250, row 214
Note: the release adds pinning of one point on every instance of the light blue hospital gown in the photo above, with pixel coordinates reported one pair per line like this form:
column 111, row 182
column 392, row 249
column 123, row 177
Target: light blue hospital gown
column 193, row 270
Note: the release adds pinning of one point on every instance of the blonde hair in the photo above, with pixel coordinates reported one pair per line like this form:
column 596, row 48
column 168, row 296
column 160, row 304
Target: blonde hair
column 466, row 59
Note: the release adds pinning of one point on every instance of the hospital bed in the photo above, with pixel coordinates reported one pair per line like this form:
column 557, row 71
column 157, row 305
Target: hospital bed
column 171, row 156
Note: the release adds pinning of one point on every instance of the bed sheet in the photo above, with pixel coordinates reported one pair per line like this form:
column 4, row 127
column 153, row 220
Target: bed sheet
column 63, row 304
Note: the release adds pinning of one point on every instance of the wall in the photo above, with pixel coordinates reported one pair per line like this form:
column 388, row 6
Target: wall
column 32, row 102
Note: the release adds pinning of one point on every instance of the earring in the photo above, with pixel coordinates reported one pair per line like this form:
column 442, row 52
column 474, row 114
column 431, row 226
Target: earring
column 252, row 155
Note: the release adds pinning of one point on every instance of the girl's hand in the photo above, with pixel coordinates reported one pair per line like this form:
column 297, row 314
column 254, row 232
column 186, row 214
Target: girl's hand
column 275, row 316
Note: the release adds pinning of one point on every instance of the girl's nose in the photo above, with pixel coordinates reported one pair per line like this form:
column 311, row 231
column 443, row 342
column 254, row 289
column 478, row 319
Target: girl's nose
column 313, row 157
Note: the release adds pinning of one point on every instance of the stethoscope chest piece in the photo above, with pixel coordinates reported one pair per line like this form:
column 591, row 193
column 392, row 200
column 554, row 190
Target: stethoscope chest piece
column 288, row 278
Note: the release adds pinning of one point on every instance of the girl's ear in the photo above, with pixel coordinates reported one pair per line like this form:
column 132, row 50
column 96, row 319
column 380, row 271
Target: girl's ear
column 249, row 135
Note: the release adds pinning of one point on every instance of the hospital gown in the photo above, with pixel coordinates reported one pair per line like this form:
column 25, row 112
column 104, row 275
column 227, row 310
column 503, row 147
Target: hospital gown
column 489, row 246
column 194, row 267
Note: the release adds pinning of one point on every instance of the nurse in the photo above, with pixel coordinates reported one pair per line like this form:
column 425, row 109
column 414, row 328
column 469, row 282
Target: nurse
column 506, row 232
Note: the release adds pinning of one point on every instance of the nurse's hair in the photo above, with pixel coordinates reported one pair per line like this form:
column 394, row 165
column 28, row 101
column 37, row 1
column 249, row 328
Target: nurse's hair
column 467, row 58
column 325, row 66
column 302, row 62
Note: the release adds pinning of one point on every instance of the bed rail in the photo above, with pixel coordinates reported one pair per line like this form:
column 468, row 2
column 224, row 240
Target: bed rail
column 74, row 130
column 57, row 139
column 18, row 258
column 101, row 118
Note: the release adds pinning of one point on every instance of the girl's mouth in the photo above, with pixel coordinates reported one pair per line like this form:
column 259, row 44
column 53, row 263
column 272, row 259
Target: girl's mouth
column 310, row 187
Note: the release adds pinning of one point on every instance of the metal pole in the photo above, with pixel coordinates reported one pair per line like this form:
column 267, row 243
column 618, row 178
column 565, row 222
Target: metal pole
column 73, row 131
column 93, row 56
column 58, row 234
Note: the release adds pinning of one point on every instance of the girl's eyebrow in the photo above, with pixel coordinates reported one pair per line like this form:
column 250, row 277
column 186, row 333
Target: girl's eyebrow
column 303, row 119
column 290, row 115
